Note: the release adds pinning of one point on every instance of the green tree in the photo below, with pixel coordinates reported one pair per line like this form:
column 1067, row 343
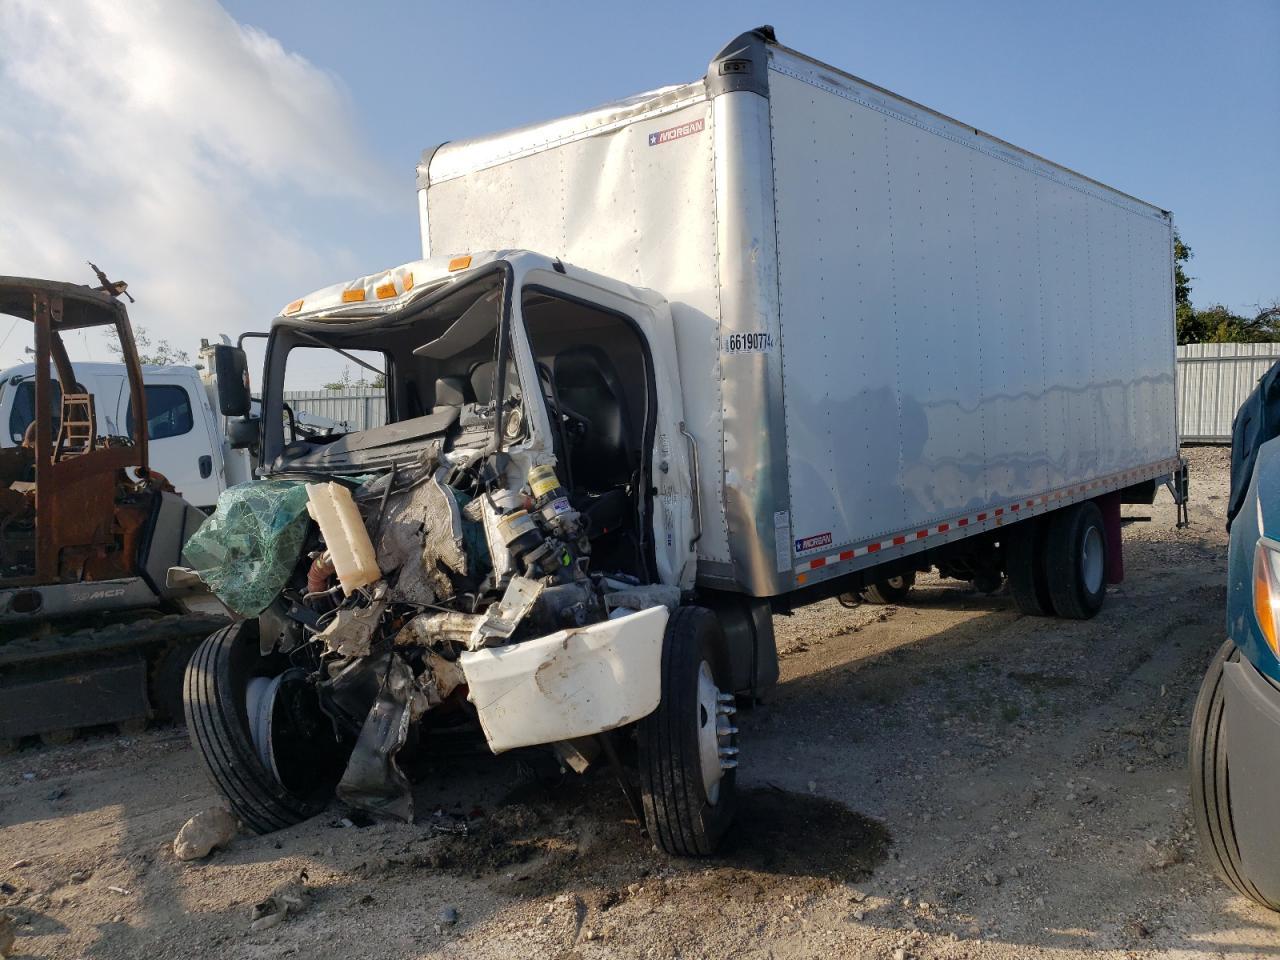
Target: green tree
column 1216, row 324
column 1262, row 327
column 1190, row 329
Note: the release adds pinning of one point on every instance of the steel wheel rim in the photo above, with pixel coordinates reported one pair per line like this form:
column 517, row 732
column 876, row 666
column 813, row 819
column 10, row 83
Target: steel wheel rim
column 260, row 702
column 716, row 752
column 1092, row 559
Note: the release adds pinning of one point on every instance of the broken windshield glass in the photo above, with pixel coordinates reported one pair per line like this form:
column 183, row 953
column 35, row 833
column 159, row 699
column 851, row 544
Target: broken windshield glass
column 443, row 375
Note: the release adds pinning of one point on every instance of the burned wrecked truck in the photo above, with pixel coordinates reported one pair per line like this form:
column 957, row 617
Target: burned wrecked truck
column 513, row 547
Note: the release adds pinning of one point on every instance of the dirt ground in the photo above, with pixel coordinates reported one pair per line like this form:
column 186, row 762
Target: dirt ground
column 941, row 779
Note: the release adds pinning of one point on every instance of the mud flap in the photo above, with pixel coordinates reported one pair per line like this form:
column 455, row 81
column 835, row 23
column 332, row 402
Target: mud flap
column 1109, row 504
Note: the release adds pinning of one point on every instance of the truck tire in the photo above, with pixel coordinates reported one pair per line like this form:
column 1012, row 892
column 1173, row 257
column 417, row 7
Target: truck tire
column 688, row 745
column 890, row 590
column 1210, row 786
column 215, row 701
column 1076, row 561
column 1024, row 567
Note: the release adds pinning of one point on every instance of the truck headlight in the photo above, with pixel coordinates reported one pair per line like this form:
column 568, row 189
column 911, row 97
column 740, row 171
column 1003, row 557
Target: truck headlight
column 1266, row 591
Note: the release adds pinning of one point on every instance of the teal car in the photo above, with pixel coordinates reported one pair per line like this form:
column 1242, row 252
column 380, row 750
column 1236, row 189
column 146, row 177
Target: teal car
column 1235, row 729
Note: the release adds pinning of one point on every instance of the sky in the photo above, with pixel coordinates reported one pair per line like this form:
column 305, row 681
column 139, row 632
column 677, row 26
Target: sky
column 226, row 159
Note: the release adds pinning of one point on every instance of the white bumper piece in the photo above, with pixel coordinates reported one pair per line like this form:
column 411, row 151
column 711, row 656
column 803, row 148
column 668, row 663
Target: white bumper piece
column 573, row 683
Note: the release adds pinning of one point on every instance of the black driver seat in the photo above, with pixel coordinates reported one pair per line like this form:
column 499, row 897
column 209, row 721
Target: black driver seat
column 588, row 385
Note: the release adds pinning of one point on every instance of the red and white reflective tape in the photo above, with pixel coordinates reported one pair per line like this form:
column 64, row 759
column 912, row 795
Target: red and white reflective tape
column 996, row 514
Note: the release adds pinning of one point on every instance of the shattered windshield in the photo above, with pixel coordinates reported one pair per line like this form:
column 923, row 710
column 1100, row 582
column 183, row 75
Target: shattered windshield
column 393, row 383
column 329, row 392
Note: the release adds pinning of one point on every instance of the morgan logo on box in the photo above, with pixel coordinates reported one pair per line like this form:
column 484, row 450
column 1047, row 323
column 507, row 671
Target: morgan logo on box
column 804, row 544
column 675, row 133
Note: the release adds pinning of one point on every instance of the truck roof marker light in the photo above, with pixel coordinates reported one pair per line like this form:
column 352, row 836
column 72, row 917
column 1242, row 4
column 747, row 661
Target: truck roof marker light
column 408, row 282
column 459, row 263
column 1266, row 595
column 292, row 308
column 353, row 296
column 386, row 290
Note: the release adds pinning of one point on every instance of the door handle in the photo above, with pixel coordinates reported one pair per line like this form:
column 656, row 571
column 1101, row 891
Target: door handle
column 206, row 466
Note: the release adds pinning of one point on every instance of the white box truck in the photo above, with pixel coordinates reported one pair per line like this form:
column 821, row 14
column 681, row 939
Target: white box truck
column 187, row 444
column 680, row 362
column 185, row 441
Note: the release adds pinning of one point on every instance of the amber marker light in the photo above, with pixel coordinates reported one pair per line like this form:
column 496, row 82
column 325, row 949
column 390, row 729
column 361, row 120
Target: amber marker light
column 1266, row 596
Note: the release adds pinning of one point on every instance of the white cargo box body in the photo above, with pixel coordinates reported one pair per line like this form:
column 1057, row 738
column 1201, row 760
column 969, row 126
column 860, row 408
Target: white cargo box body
column 893, row 330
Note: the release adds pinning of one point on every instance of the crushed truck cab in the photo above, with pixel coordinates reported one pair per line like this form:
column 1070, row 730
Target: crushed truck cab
column 508, row 550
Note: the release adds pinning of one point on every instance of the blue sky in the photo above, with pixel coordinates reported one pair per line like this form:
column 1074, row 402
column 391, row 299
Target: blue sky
column 259, row 150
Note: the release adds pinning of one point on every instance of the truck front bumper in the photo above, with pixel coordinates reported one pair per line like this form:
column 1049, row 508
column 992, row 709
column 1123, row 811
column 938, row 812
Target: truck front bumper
column 1253, row 758
column 573, row 683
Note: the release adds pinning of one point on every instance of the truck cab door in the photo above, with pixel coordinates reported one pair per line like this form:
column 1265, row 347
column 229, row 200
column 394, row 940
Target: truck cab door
column 608, row 361
column 179, row 443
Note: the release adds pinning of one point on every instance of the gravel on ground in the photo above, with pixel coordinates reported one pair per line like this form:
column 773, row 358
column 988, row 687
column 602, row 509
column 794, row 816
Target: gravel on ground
column 944, row 778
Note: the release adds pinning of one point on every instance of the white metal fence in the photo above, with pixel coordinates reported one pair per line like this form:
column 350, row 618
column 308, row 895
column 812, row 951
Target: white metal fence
column 1213, row 380
column 359, row 408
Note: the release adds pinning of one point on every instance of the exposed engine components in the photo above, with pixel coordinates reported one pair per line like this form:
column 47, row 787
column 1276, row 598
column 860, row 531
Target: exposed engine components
column 552, row 502
column 542, row 533
column 409, row 573
column 520, row 534
column 445, row 628
column 346, row 539
column 319, row 572
column 350, row 633
column 505, row 616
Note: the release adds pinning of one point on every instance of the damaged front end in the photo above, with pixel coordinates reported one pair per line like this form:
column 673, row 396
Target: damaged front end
column 451, row 587
column 480, row 603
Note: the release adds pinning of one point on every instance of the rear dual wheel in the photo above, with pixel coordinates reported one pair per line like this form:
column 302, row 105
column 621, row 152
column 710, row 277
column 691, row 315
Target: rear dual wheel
column 889, row 590
column 1076, row 561
column 1056, row 564
column 1024, row 563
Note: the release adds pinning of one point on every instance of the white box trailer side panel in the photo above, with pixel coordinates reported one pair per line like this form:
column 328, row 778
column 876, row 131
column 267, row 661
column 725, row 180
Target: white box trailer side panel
column 963, row 327
column 956, row 324
column 633, row 199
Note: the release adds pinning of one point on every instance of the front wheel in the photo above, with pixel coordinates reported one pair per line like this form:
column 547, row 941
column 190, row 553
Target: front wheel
column 1210, row 782
column 688, row 746
column 258, row 727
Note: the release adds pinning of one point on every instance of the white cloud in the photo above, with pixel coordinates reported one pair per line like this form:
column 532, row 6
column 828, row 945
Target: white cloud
column 177, row 148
